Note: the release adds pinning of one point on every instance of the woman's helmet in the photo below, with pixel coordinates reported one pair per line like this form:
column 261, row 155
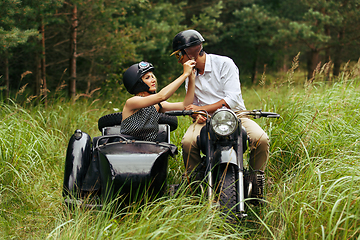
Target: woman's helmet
column 185, row 39
column 132, row 77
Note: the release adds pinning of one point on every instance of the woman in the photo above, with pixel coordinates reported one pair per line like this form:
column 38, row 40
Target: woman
column 141, row 112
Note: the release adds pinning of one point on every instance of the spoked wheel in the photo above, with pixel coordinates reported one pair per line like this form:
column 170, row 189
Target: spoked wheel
column 226, row 188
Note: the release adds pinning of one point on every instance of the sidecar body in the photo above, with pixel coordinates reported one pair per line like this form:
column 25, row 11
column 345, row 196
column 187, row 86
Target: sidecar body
column 114, row 166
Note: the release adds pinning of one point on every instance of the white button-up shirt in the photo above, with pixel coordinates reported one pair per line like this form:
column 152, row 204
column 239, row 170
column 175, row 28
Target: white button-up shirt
column 219, row 81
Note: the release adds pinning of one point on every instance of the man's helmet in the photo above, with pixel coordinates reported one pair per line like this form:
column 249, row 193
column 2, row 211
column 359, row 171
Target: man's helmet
column 132, row 77
column 185, row 39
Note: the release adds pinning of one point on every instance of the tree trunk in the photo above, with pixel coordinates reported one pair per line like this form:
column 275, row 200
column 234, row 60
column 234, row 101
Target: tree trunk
column 285, row 62
column 89, row 77
column 327, row 50
column 72, row 67
column 312, row 62
column 327, row 53
column 337, row 54
column 7, row 80
column 254, row 66
column 43, row 64
column 37, row 75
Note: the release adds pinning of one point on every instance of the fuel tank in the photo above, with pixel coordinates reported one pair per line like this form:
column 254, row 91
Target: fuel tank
column 134, row 168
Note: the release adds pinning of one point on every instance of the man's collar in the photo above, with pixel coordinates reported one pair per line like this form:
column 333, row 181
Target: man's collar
column 207, row 63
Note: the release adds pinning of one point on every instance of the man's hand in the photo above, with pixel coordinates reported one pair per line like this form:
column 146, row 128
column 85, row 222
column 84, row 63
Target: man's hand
column 197, row 117
column 192, row 107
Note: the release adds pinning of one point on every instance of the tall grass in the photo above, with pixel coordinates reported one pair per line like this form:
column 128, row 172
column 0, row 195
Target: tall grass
column 313, row 175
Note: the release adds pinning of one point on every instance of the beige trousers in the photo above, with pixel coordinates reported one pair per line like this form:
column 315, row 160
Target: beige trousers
column 259, row 145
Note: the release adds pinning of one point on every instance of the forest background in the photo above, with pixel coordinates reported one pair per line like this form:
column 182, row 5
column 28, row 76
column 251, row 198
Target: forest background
column 86, row 45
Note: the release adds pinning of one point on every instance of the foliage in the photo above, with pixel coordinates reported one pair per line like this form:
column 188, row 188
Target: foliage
column 11, row 32
column 14, row 37
column 253, row 28
column 112, row 35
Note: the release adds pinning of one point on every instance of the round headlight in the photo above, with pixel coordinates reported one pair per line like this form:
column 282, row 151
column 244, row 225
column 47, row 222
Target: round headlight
column 224, row 122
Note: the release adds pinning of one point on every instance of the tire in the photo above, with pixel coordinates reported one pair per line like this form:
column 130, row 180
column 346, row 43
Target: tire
column 109, row 120
column 116, row 118
column 171, row 120
column 226, row 188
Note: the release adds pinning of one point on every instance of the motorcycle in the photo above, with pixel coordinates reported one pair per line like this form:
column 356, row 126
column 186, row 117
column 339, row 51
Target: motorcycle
column 101, row 169
column 223, row 141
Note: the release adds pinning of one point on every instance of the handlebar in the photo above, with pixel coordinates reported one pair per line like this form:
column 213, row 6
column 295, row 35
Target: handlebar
column 259, row 114
column 179, row 112
column 253, row 113
column 187, row 113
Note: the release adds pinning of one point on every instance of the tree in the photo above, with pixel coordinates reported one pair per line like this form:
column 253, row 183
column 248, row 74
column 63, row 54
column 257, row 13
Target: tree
column 110, row 36
column 158, row 23
column 73, row 46
column 345, row 29
column 93, row 45
column 255, row 26
column 321, row 26
column 10, row 33
column 22, row 20
column 42, row 13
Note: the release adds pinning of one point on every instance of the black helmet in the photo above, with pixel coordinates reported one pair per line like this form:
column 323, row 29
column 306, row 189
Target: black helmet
column 186, row 39
column 132, row 77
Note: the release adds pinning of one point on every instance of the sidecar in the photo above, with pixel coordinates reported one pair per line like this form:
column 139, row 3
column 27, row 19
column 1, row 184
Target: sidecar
column 115, row 166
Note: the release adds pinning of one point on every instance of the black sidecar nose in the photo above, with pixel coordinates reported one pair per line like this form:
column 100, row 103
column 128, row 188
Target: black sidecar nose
column 133, row 168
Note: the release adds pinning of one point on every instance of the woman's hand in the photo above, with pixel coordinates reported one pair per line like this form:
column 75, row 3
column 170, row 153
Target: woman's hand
column 189, row 67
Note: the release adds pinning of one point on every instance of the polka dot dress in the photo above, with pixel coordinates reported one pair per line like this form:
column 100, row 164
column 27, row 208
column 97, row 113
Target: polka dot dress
column 142, row 125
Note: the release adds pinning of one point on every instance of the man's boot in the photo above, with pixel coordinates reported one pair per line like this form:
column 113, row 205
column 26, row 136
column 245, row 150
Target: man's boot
column 257, row 178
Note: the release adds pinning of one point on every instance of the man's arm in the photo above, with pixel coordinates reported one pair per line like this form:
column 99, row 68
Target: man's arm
column 209, row 108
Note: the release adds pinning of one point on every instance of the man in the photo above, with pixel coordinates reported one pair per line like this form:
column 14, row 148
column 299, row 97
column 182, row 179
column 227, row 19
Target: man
column 216, row 84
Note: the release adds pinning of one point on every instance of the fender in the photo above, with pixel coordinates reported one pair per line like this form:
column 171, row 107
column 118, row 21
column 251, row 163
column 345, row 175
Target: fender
column 226, row 154
column 77, row 162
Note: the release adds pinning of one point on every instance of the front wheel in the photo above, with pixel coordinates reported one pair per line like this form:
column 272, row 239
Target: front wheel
column 226, row 188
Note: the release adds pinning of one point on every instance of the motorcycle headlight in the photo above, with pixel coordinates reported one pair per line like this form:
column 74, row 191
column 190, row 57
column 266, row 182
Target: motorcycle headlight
column 224, row 122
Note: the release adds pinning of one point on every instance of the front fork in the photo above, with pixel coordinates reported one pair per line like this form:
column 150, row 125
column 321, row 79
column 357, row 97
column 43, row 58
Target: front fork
column 209, row 160
column 240, row 184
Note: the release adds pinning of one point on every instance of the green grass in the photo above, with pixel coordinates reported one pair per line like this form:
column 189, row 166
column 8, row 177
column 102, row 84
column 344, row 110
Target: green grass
column 313, row 175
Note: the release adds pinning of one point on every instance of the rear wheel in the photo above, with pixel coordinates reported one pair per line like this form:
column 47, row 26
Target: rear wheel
column 226, row 188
